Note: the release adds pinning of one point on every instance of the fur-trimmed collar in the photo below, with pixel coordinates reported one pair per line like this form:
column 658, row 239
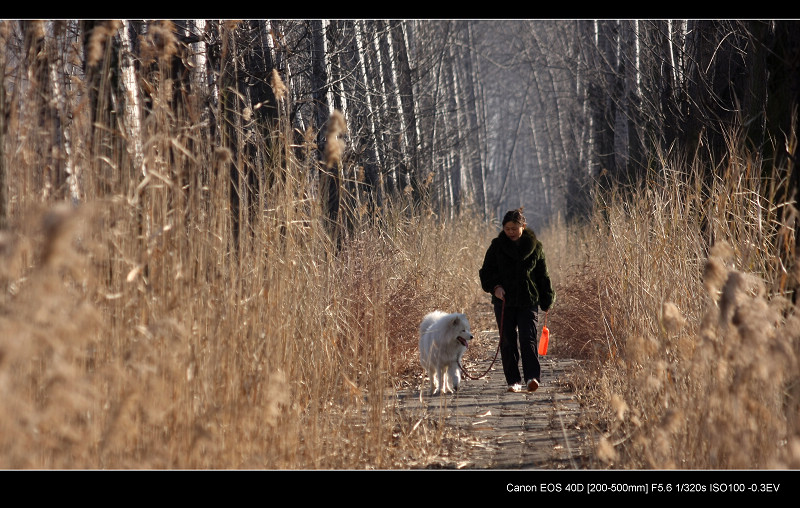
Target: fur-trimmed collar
column 526, row 244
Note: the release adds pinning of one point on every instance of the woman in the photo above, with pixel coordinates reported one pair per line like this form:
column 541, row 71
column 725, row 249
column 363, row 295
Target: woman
column 514, row 272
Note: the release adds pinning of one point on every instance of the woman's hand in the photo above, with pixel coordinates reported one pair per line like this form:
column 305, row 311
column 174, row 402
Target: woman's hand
column 500, row 293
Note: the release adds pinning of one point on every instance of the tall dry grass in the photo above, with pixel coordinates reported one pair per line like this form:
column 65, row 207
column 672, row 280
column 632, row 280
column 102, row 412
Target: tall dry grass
column 694, row 359
column 137, row 330
column 140, row 329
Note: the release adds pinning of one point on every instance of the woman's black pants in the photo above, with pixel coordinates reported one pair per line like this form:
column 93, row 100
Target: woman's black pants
column 519, row 340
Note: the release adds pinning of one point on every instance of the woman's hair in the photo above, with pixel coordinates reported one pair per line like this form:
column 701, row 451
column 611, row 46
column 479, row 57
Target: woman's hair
column 514, row 216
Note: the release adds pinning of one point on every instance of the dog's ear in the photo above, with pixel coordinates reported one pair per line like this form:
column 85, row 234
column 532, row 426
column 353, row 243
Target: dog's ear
column 456, row 321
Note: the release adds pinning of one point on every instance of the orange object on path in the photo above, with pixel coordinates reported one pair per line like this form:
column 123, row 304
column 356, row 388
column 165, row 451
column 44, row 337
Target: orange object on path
column 545, row 339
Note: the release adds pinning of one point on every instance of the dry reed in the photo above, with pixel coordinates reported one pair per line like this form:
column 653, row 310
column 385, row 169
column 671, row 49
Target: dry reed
column 140, row 329
column 697, row 366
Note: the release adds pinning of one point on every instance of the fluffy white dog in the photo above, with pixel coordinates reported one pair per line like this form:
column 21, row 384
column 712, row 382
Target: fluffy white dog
column 443, row 339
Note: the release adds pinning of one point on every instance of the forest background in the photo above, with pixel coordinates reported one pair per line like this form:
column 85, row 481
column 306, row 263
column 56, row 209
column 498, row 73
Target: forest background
column 218, row 236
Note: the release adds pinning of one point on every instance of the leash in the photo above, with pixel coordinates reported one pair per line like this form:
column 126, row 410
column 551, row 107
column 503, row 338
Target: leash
column 502, row 318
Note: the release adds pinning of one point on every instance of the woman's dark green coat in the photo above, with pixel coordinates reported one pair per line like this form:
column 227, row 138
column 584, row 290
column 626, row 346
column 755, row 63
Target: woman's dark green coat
column 520, row 268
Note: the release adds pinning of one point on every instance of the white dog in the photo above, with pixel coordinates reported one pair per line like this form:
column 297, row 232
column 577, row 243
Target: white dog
column 443, row 339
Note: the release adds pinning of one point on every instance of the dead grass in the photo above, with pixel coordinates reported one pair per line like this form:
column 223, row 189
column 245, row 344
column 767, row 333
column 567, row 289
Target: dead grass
column 166, row 349
column 697, row 366
column 139, row 330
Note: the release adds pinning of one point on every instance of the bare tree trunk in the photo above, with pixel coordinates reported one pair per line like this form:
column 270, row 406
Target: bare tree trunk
column 514, row 140
column 229, row 114
column 329, row 177
column 373, row 159
column 475, row 127
column 624, row 110
column 441, row 166
column 4, row 28
column 389, row 167
column 408, row 103
column 101, row 71
column 40, row 57
column 455, row 129
column 132, row 102
column 394, row 119
column 602, row 95
column 538, row 148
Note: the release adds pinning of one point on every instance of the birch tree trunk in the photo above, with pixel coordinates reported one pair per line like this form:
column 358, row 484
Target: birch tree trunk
column 370, row 139
column 408, row 103
column 454, row 130
column 475, row 127
column 4, row 33
column 329, row 176
column 389, row 168
column 132, row 101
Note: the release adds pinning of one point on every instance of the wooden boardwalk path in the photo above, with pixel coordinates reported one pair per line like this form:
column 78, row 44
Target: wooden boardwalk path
column 539, row 430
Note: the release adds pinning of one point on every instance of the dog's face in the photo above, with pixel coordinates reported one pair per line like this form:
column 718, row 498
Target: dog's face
column 464, row 334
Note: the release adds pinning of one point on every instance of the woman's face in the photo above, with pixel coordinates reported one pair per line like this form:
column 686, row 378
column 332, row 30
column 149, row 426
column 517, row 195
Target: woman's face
column 513, row 230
